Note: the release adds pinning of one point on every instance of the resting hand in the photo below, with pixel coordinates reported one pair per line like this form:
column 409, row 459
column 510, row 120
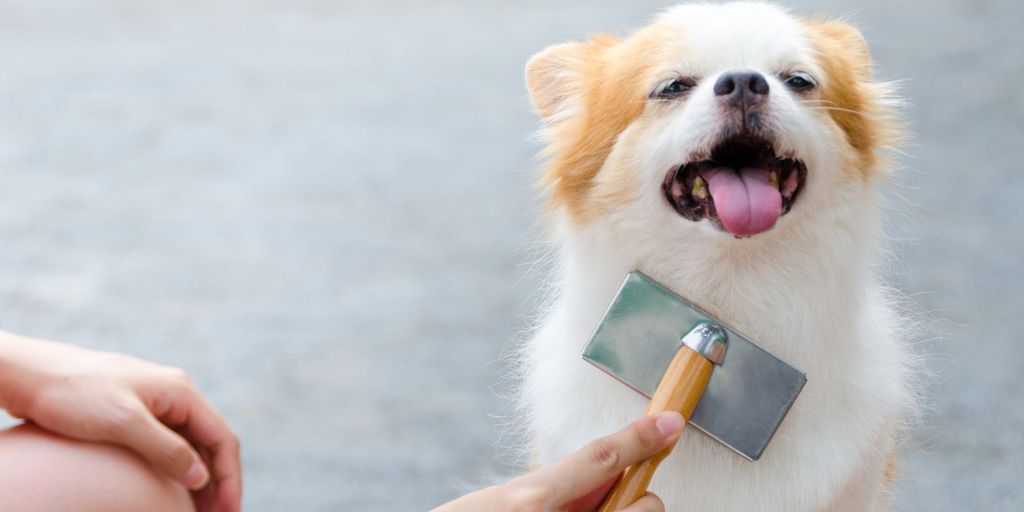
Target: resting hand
column 578, row 482
column 150, row 409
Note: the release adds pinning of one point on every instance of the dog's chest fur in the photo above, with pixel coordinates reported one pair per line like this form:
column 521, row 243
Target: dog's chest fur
column 816, row 307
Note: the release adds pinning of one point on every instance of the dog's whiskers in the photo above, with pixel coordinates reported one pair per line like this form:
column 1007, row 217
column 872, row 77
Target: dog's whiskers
column 838, row 109
column 820, row 104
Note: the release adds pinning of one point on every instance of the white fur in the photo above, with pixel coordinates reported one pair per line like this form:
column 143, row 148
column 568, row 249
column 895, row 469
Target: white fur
column 805, row 290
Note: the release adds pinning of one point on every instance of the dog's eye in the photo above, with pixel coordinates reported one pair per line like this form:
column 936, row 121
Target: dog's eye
column 799, row 82
column 673, row 88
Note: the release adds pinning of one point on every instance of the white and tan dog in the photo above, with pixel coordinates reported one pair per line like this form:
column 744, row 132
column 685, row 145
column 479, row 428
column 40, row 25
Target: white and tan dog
column 731, row 152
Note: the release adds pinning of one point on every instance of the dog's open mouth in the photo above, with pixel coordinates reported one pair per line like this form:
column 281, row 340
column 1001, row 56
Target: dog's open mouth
column 743, row 188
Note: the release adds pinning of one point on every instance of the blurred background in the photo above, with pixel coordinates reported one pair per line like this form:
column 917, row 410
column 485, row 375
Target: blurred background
column 324, row 211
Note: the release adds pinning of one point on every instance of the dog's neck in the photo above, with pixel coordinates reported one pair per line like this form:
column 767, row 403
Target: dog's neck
column 798, row 293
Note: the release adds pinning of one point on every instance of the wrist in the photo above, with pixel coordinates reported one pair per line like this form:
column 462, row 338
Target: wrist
column 16, row 375
column 6, row 369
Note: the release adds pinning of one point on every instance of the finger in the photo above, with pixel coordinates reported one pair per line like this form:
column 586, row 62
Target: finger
column 649, row 503
column 222, row 495
column 589, row 502
column 164, row 449
column 205, row 499
column 602, row 460
column 202, row 425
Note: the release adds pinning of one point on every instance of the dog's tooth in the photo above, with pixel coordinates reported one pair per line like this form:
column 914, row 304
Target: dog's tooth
column 773, row 179
column 700, row 189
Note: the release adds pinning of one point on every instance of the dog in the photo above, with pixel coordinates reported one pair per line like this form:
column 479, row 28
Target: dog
column 732, row 152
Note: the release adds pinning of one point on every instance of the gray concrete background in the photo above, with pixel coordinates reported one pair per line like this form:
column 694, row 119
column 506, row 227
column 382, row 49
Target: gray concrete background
column 323, row 210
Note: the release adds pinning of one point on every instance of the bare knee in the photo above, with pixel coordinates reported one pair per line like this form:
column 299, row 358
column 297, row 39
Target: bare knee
column 40, row 472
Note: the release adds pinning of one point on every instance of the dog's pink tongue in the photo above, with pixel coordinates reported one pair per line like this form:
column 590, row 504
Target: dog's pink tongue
column 745, row 201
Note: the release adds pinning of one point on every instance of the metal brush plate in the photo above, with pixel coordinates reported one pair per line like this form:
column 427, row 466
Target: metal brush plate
column 748, row 395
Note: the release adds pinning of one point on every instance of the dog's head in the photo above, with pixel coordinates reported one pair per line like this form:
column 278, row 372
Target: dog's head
column 727, row 121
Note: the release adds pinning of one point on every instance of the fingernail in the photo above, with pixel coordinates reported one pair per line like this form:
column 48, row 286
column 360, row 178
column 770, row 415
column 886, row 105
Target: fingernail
column 197, row 476
column 669, row 423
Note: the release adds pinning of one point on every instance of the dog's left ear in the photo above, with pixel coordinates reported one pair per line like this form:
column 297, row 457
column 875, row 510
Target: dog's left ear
column 840, row 41
column 553, row 74
column 863, row 107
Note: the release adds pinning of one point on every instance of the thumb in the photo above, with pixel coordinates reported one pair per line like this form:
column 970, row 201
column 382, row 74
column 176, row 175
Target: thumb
column 168, row 452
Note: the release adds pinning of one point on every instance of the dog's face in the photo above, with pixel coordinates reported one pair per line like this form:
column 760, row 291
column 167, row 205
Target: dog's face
column 723, row 120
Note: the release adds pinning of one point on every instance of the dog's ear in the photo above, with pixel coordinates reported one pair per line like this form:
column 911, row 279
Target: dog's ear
column 863, row 108
column 845, row 43
column 552, row 76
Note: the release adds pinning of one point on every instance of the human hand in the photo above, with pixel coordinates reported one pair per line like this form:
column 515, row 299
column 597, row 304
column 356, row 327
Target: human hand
column 579, row 482
column 150, row 409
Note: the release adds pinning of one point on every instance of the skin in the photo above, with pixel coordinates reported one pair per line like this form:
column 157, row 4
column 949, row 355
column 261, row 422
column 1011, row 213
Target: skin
column 109, row 432
column 578, row 482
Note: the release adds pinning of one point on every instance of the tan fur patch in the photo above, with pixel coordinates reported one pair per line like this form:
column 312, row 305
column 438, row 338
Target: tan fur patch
column 891, row 469
column 609, row 79
column 853, row 99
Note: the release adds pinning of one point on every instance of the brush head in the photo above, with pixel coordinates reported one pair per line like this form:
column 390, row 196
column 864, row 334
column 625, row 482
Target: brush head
column 748, row 395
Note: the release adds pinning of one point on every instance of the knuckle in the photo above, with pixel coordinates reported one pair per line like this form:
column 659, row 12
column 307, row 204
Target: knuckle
column 643, row 437
column 178, row 454
column 179, row 376
column 605, row 454
column 233, row 442
column 121, row 417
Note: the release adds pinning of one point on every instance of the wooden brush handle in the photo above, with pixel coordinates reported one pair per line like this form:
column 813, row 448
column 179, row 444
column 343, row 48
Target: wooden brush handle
column 680, row 389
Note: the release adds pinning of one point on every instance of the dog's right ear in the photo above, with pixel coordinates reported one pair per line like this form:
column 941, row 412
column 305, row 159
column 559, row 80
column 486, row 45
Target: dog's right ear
column 553, row 75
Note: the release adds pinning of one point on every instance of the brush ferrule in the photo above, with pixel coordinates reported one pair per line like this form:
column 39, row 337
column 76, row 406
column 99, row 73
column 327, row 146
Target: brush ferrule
column 708, row 340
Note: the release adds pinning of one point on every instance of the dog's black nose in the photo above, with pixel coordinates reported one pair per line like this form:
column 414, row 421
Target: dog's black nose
column 742, row 88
